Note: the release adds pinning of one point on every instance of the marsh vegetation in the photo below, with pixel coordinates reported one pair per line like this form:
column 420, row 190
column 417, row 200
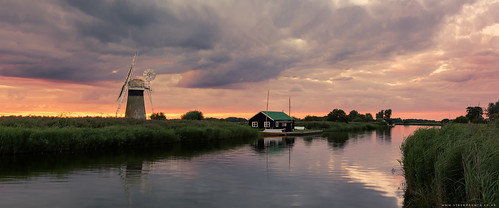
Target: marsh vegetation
column 456, row 164
column 57, row 134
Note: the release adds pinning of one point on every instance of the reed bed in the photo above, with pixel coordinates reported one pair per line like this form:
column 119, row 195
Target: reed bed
column 455, row 165
column 53, row 134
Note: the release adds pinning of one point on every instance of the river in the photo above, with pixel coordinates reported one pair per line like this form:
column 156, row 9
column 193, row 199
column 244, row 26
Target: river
column 354, row 169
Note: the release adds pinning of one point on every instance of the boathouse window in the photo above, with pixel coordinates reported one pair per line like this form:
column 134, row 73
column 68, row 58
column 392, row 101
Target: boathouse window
column 266, row 124
column 254, row 124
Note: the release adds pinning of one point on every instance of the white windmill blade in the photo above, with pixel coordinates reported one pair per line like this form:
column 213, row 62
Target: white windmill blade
column 129, row 74
column 149, row 75
column 149, row 92
column 124, row 88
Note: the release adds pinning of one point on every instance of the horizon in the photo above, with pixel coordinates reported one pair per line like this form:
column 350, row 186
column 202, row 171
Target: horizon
column 246, row 115
column 422, row 59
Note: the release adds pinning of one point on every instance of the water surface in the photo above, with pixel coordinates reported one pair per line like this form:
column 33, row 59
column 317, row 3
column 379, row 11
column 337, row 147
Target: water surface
column 355, row 169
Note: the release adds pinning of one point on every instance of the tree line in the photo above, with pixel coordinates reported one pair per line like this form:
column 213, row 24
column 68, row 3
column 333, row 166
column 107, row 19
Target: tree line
column 191, row 115
column 339, row 115
column 474, row 114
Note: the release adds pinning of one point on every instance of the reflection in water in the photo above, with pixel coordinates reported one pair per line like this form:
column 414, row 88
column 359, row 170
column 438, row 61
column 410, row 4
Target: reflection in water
column 132, row 165
column 26, row 166
column 362, row 161
column 131, row 174
column 273, row 144
column 389, row 184
column 338, row 169
column 337, row 140
column 383, row 135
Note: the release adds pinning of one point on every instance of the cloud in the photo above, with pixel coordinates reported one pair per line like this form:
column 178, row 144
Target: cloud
column 361, row 53
column 218, row 43
column 146, row 25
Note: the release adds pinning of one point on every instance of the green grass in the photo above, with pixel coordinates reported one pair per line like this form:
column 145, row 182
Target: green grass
column 51, row 134
column 457, row 164
column 329, row 126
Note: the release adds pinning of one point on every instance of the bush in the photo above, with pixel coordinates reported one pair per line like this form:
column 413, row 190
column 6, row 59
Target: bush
column 193, row 115
column 461, row 119
column 158, row 116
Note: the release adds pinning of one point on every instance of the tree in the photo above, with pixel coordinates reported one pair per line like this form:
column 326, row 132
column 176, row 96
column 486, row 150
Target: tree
column 380, row 115
column 360, row 118
column 385, row 115
column 475, row 114
column 388, row 114
column 493, row 111
column 158, row 116
column 236, row 119
column 461, row 119
column 369, row 117
column 313, row 118
column 353, row 115
column 193, row 115
column 337, row 115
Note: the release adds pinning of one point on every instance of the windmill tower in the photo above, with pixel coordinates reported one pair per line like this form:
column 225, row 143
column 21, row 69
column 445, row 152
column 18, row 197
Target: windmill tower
column 135, row 106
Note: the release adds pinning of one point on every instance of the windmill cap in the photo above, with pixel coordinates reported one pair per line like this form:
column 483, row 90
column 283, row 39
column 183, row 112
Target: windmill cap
column 136, row 83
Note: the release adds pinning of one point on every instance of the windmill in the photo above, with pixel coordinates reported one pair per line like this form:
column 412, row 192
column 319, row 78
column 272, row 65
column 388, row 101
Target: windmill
column 135, row 107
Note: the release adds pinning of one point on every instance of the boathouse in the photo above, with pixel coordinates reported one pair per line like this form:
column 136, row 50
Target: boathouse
column 272, row 120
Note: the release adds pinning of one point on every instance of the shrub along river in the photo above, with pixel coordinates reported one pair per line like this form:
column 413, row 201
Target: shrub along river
column 340, row 169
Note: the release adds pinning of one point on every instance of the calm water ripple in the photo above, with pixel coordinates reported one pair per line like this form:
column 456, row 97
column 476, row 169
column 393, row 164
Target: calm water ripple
column 333, row 170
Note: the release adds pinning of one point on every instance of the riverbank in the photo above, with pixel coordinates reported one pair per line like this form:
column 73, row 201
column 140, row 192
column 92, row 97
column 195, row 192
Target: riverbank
column 457, row 164
column 19, row 135
column 329, row 126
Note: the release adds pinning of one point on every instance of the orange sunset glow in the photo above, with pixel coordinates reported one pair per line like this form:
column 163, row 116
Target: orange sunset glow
column 422, row 59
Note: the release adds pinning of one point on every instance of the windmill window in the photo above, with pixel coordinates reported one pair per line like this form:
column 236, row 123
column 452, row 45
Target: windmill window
column 254, row 124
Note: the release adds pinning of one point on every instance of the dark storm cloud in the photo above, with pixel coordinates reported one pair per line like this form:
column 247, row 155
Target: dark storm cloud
column 246, row 70
column 147, row 24
column 73, row 69
column 214, row 43
column 63, row 40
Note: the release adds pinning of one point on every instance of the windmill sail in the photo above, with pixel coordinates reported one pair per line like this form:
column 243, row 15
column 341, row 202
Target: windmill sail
column 125, row 85
column 149, row 75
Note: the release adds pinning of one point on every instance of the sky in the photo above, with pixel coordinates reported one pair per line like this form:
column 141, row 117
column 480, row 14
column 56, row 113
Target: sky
column 421, row 58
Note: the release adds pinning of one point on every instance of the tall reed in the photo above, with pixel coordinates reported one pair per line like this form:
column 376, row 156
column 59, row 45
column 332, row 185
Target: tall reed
column 48, row 134
column 457, row 164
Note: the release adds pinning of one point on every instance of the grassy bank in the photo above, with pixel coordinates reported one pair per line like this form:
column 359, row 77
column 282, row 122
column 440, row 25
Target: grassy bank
column 51, row 134
column 329, row 126
column 457, row 164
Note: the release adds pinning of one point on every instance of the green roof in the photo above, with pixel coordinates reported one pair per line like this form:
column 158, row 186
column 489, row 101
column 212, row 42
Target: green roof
column 277, row 116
